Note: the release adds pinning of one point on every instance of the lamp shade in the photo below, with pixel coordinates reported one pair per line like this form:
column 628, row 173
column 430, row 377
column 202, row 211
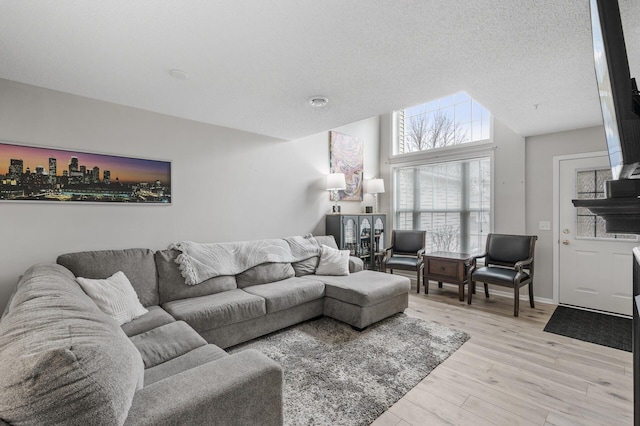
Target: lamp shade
column 375, row 186
column 336, row 181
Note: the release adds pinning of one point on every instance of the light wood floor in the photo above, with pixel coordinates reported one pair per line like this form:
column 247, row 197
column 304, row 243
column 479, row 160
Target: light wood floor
column 510, row 372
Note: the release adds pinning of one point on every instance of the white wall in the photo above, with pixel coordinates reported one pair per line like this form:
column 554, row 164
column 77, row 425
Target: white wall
column 539, row 152
column 227, row 185
column 509, row 181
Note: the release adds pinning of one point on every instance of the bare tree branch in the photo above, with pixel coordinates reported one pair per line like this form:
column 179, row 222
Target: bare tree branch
column 446, row 238
column 417, row 133
column 432, row 131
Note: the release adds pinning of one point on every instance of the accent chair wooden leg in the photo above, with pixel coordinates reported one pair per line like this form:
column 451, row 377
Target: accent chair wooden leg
column 531, row 295
column 472, row 286
column 418, row 281
column 486, row 290
column 516, row 301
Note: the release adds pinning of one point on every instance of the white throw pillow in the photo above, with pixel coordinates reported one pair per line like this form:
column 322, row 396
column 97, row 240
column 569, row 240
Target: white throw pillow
column 333, row 262
column 114, row 296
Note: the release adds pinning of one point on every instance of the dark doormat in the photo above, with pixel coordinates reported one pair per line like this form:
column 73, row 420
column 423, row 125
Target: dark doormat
column 594, row 327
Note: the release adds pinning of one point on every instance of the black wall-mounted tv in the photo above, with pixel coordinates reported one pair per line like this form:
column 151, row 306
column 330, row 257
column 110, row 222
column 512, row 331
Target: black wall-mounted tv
column 619, row 96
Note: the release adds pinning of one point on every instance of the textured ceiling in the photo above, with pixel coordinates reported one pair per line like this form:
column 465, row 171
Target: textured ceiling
column 253, row 63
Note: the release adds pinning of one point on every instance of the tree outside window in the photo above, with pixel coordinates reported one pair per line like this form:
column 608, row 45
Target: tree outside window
column 452, row 120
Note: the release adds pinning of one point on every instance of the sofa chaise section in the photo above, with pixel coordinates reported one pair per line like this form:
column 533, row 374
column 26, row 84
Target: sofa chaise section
column 204, row 384
column 236, row 390
column 364, row 298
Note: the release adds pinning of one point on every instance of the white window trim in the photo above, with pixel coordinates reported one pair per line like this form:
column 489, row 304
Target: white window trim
column 449, row 153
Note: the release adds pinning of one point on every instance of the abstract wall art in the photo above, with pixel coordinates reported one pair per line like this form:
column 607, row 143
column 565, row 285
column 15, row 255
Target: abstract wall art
column 347, row 156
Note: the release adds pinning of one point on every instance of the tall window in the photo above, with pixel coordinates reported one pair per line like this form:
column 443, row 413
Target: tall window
column 448, row 121
column 449, row 200
column 450, row 197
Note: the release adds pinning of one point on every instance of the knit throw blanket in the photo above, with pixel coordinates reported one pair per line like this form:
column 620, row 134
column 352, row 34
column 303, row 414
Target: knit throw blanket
column 198, row 262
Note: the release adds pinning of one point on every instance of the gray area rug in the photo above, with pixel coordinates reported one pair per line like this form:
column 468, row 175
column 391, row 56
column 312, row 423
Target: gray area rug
column 334, row 375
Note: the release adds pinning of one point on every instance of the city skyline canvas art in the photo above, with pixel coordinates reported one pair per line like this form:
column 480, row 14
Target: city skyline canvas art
column 29, row 173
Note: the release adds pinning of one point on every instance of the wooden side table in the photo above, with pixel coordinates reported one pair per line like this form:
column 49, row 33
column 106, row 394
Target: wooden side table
column 444, row 266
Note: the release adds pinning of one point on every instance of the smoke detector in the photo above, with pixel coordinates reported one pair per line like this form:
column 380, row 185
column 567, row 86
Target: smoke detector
column 318, row 101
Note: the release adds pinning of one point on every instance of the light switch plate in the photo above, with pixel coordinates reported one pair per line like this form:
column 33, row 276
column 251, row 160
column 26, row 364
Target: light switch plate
column 544, row 225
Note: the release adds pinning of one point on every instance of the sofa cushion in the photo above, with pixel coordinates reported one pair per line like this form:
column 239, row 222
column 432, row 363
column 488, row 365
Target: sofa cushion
column 216, row 310
column 285, row 294
column 171, row 283
column 327, row 240
column 166, row 342
column 355, row 264
column 306, row 267
column 137, row 264
column 365, row 288
column 191, row 359
column 114, row 296
column 63, row 361
column 265, row 273
column 333, row 262
column 156, row 317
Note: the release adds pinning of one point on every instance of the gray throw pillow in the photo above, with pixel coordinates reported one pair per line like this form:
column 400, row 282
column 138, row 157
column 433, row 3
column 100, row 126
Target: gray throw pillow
column 333, row 262
column 306, row 267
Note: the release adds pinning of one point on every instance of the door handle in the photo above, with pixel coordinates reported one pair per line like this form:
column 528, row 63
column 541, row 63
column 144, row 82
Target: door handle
column 565, row 242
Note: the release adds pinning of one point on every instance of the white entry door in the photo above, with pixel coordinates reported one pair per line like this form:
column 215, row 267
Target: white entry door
column 595, row 268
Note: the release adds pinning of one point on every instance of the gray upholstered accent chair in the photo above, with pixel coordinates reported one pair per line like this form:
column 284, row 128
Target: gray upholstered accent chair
column 405, row 252
column 508, row 262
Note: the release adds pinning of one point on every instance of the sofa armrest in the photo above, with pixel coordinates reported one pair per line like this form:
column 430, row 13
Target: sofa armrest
column 241, row 389
column 355, row 264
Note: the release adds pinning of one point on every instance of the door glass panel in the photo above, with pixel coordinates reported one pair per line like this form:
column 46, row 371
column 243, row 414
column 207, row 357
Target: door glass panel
column 379, row 235
column 350, row 236
column 365, row 237
column 590, row 185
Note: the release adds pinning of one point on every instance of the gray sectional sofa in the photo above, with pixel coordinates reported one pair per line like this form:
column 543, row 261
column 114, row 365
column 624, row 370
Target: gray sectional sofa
column 64, row 361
